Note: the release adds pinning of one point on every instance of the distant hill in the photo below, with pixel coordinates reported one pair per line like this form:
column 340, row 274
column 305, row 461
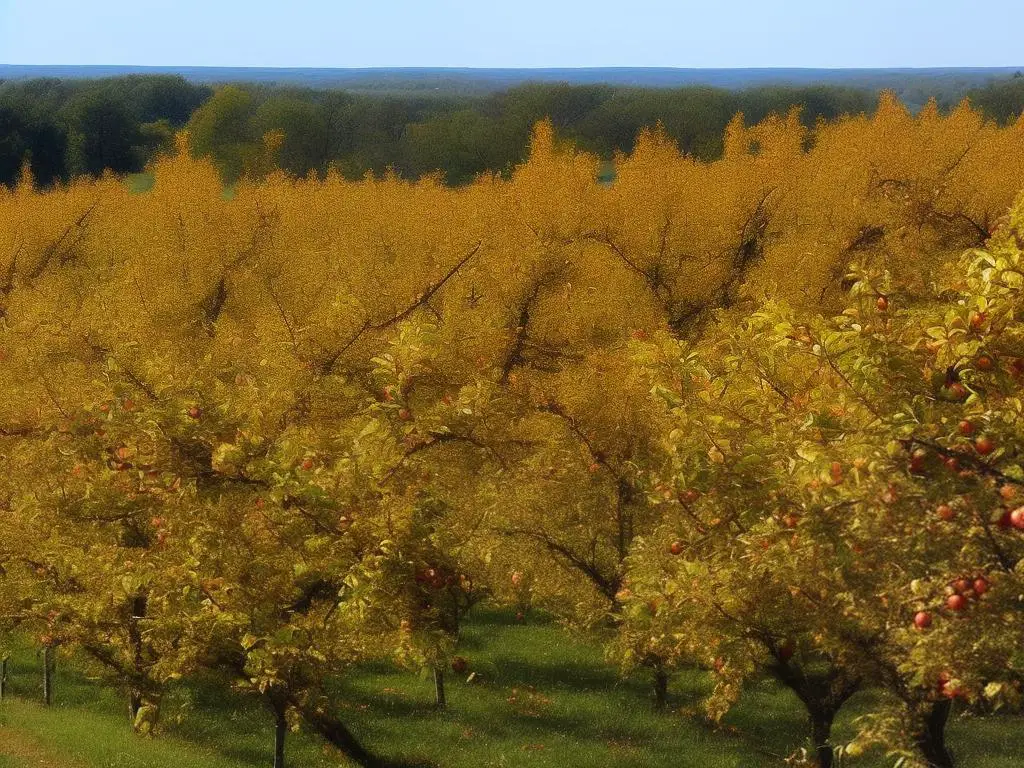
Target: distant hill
column 482, row 81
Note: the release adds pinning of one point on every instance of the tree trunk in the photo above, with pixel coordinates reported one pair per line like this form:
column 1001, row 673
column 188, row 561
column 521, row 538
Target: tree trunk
column 930, row 733
column 134, row 705
column 3, row 677
column 660, row 688
column 439, row 698
column 143, row 710
column 49, row 662
column 821, row 737
column 822, row 695
column 336, row 734
column 278, row 701
column 280, row 732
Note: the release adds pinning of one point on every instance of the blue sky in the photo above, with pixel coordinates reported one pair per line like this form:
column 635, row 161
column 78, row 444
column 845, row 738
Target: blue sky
column 528, row 33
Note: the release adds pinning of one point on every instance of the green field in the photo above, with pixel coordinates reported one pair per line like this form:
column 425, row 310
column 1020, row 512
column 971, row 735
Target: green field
column 543, row 700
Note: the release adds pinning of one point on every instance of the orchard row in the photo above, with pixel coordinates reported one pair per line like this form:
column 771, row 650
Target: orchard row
column 760, row 415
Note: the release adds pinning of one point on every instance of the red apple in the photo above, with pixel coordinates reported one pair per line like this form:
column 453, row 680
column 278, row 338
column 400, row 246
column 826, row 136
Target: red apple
column 984, row 363
column 307, row 463
column 195, row 412
column 1017, row 518
column 984, row 445
column 966, row 428
column 917, row 460
column 956, row 602
column 405, row 414
column 882, row 303
column 977, row 320
column 676, row 547
column 961, row 585
column 980, row 585
column 956, row 391
column 952, row 463
column 945, row 512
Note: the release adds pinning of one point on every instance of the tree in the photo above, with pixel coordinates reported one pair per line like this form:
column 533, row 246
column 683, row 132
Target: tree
column 222, row 129
column 103, row 135
column 41, row 144
column 851, row 521
column 306, row 142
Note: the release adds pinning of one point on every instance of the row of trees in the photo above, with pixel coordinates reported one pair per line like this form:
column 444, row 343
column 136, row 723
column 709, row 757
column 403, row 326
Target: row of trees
column 275, row 436
column 70, row 128
column 466, row 137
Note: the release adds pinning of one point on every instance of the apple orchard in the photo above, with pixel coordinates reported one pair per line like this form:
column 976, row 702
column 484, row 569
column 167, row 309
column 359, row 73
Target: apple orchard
column 761, row 416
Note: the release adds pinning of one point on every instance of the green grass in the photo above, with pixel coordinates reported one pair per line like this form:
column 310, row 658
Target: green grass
column 542, row 700
column 139, row 183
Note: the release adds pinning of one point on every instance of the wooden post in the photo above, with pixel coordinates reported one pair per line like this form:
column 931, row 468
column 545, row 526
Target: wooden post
column 3, row 677
column 49, row 662
column 439, row 698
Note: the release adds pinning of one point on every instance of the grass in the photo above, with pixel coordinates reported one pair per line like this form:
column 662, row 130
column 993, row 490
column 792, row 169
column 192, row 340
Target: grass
column 542, row 699
column 139, row 183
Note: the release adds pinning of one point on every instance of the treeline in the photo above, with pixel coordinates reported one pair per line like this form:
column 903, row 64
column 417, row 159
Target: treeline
column 71, row 128
column 68, row 128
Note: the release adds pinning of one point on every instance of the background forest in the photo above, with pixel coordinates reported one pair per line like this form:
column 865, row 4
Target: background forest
column 72, row 127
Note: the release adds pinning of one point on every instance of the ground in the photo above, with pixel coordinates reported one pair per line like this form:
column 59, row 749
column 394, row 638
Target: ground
column 543, row 700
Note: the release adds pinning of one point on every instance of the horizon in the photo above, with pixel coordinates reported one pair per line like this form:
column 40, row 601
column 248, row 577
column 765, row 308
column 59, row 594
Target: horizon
column 538, row 68
column 534, row 34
